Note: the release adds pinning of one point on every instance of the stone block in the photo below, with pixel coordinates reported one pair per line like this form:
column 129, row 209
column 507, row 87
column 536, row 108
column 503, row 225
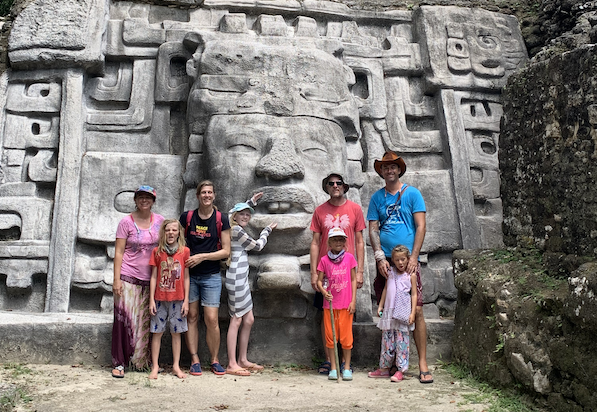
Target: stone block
column 19, row 272
column 55, row 34
column 23, row 189
column 42, row 166
column 138, row 115
column 171, row 83
column 22, row 132
column 458, row 57
column 98, row 217
column 38, row 97
column 35, row 216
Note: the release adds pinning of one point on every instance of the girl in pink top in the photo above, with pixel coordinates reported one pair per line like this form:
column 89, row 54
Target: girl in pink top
column 397, row 312
column 338, row 270
column 136, row 236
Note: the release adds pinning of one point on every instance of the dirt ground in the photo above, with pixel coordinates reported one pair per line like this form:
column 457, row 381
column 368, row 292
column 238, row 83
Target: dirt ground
column 92, row 388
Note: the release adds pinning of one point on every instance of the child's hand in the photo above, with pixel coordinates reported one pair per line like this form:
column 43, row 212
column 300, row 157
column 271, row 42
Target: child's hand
column 273, row 225
column 352, row 308
column 328, row 296
column 380, row 311
column 411, row 319
column 185, row 309
column 256, row 197
column 152, row 308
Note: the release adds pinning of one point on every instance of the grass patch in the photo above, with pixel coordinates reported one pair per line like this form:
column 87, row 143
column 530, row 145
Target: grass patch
column 17, row 369
column 500, row 400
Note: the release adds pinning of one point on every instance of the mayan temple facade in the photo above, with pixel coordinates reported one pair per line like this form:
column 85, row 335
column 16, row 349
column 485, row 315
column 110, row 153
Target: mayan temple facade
column 103, row 96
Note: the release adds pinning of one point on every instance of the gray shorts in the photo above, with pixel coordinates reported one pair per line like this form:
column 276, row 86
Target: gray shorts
column 168, row 312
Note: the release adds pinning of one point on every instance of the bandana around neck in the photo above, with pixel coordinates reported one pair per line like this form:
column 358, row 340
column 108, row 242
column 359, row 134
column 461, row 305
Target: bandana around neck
column 171, row 249
column 336, row 258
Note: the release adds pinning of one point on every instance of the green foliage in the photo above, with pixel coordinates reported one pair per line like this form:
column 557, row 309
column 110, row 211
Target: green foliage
column 17, row 369
column 500, row 400
column 5, row 6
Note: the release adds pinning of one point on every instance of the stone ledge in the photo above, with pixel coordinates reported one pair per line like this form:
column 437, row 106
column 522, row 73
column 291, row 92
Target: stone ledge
column 72, row 338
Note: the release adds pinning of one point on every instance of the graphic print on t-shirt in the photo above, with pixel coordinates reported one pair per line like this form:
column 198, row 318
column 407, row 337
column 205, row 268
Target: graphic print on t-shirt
column 343, row 222
column 170, row 272
column 393, row 214
column 202, row 232
column 338, row 282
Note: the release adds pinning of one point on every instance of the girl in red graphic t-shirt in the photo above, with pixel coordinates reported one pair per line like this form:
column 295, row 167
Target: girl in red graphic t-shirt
column 169, row 292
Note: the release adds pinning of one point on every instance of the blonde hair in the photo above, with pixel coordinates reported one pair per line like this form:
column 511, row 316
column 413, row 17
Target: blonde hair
column 162, row 236
column 400, row 249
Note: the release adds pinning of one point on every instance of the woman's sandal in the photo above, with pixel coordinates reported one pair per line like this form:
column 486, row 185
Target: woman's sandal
column 427, row 373
column 324, row 368
column 118, row 372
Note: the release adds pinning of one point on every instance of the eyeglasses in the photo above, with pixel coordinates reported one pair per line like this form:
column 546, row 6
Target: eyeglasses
column 337, row 183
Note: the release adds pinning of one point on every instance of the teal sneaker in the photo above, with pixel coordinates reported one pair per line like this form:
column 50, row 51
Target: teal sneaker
column 333, row 375
column 346, row 375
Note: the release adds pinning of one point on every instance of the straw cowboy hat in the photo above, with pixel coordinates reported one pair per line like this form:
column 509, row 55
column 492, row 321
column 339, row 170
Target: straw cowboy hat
column 389, row 158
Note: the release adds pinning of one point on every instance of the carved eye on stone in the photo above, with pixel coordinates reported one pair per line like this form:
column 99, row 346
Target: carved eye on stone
column 241, row 147
column 487, row 42
column 315, row 151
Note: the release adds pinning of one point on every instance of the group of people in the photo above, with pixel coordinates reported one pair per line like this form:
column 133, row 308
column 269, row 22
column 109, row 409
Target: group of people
column 164, row 268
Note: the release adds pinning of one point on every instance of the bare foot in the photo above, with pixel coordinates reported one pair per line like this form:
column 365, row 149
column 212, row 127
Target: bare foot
column 153, row 374
column 179, row 373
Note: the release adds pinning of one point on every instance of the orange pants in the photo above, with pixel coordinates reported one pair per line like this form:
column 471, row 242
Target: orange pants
column 343, row 322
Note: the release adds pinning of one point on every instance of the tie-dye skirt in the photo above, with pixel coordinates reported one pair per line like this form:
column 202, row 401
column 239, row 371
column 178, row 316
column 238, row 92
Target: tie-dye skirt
column 130, row 331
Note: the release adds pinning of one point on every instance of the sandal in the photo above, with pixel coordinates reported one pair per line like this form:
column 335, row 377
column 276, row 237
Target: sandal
column 254, row 367
column 324, row 368
column 379, row 374
column 217, row 369
column 196, row 369
column 342, row 367
column 398, row 376
column 426, row 373
column 238, row 372
column 118, row 372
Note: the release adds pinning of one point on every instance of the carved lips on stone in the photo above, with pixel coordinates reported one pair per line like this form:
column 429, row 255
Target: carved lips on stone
column 290, row 206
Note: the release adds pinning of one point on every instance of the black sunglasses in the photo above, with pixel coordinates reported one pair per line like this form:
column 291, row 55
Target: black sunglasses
column 338, row 183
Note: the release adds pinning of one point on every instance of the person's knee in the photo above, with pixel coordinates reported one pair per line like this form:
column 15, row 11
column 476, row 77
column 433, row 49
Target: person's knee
column 419, row 315
column 248, row 319
column 192, row 317
column 211, row 319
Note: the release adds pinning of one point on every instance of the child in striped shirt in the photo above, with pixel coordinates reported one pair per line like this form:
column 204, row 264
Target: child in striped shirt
column 240, row 305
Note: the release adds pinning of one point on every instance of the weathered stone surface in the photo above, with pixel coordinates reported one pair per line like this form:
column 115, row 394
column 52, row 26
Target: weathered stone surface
column 548, row 182
column 256, row 96
column 58, row 34
column 515, row 324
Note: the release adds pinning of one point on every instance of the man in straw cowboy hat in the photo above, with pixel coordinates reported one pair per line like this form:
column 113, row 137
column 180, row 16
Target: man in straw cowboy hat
column 338, row 212
column 396, row 216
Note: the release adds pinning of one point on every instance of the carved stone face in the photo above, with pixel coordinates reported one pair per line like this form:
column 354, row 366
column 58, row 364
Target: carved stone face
column 284, row 157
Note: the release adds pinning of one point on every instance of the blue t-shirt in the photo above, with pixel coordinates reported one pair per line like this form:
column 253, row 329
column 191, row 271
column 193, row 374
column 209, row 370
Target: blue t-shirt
column 396, row 221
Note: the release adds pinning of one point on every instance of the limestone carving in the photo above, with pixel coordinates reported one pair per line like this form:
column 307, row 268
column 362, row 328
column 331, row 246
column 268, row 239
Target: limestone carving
column 103, row 96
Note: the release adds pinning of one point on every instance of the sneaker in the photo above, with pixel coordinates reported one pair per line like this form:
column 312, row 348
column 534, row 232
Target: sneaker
column 346, row 375
column 397, row 377
column 196, row 369
column 379, row 374
column 333, row 375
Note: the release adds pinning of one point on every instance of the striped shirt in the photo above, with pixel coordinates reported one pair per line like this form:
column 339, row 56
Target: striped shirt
column 237, row 275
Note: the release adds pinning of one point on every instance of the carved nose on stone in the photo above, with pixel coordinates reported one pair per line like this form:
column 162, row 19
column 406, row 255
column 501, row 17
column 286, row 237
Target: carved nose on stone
column 282, row 161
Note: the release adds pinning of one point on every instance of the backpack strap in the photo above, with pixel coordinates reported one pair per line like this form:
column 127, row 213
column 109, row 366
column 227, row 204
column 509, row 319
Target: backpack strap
column 396, row 203
column 189, row 217
column 219, row 228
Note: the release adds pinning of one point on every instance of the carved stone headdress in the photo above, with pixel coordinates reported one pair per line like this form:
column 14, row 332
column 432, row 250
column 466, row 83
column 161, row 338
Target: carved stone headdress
column 239, row 72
